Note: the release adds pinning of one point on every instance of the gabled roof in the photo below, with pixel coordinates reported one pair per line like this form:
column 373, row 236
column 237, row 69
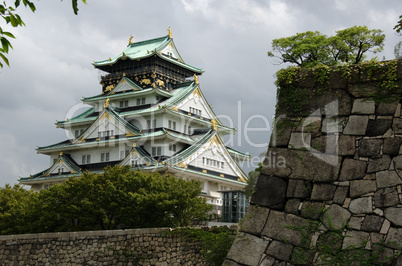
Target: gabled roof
column 145, row 49
column 72, row 169
column 187, row 156
column 162, row 132
column 108, row 111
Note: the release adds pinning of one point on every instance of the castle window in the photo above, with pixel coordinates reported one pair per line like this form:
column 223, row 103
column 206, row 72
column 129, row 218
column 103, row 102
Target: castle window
column 195, row 111
column 123, row 104
column 172, row 125
column 156, row 151
column 105, row 157
column 140, row 101
column 149, row 124
column 172, row 147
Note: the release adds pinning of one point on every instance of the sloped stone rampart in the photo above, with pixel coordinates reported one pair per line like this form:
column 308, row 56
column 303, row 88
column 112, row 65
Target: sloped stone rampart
column 330, row 187
column 148, row 246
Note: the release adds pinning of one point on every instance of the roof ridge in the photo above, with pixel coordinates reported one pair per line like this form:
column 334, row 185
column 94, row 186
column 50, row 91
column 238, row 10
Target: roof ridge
column 148, row 41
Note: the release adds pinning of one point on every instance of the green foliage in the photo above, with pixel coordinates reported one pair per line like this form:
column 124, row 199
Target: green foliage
column 15, row 208
column 310, row 49
column 119, row 198
column 252, row 181
column 330, row 248
column 398, row 26
column 215, row 244
column 8, row 13
column 293, row 98
column 398, row 50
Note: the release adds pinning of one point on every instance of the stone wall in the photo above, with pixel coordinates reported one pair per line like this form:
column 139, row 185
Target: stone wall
column 157, row 246
column 330, row 187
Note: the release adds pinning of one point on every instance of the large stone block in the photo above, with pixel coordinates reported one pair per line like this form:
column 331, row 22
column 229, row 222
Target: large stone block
column 397, row 162
column 340, row 195
column 394, row 237
column 355, row 239
column 292, row 206
column 312, row 210
column 255, row 219
column 275, row 163
column 323, row 191
column 311, row 124
column 356, row 125
column 352, row 170
column 306, row 165
column 363, row 106
column 336, row 217
column 394, row 214
column 298, row 189
column 361, row 205
column 300, row 140
column 397, row 125
column 386, row 197
column 361, row 187
column 372, row 223
column 283, row 227
column 346, row 145
column 325, row 144
column 392, row 146
column 387, row 179
column 270, row 192
column 280, row 250
column 370, row 147
column 280, row 138
column 248, row 249
column 378, row 127
column 379, row 164
column 387, row 108
column 332, row 125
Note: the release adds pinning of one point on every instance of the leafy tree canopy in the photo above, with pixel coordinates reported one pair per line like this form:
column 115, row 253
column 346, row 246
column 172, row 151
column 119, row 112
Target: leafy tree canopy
column 398, row 26
column 252, row 181
column 310, row 48
column 119, row 198
column 8, row 13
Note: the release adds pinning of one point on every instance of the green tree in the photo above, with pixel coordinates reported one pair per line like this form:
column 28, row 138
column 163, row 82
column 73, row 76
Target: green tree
column 118, row 198
column 309, row 49
column 8, row 13
column 15, row 209
column 252, row 181
column 398, row 26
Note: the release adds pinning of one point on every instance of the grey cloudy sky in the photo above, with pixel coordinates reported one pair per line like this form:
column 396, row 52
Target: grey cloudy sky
column 51, row 62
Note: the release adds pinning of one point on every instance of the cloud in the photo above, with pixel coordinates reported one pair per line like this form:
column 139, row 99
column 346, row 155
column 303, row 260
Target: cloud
column 243, row 14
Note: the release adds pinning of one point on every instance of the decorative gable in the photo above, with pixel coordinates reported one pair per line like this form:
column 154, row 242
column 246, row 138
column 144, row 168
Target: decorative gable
column 213, row 156
column 107, row 126
column 61, row 166
column 195, row 104
column 124, row 85
column 136, row 159
column 170, row 51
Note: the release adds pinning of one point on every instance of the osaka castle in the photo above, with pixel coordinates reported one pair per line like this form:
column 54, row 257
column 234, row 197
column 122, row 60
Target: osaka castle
column 151, row 115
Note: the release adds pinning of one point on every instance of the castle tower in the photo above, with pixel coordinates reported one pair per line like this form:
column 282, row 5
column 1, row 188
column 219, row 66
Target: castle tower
column 151, row 115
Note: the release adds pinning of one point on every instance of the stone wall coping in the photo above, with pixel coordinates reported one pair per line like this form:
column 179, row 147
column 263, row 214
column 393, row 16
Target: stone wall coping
column 97, row 233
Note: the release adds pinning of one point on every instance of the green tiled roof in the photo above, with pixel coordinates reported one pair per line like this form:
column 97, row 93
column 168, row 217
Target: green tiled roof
column 238, row 153
column 190, row 150
column 144, row 49
column 86, row 116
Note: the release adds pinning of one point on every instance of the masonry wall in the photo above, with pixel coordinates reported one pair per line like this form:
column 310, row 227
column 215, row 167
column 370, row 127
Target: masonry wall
column 330, row 187
column 157, row 246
